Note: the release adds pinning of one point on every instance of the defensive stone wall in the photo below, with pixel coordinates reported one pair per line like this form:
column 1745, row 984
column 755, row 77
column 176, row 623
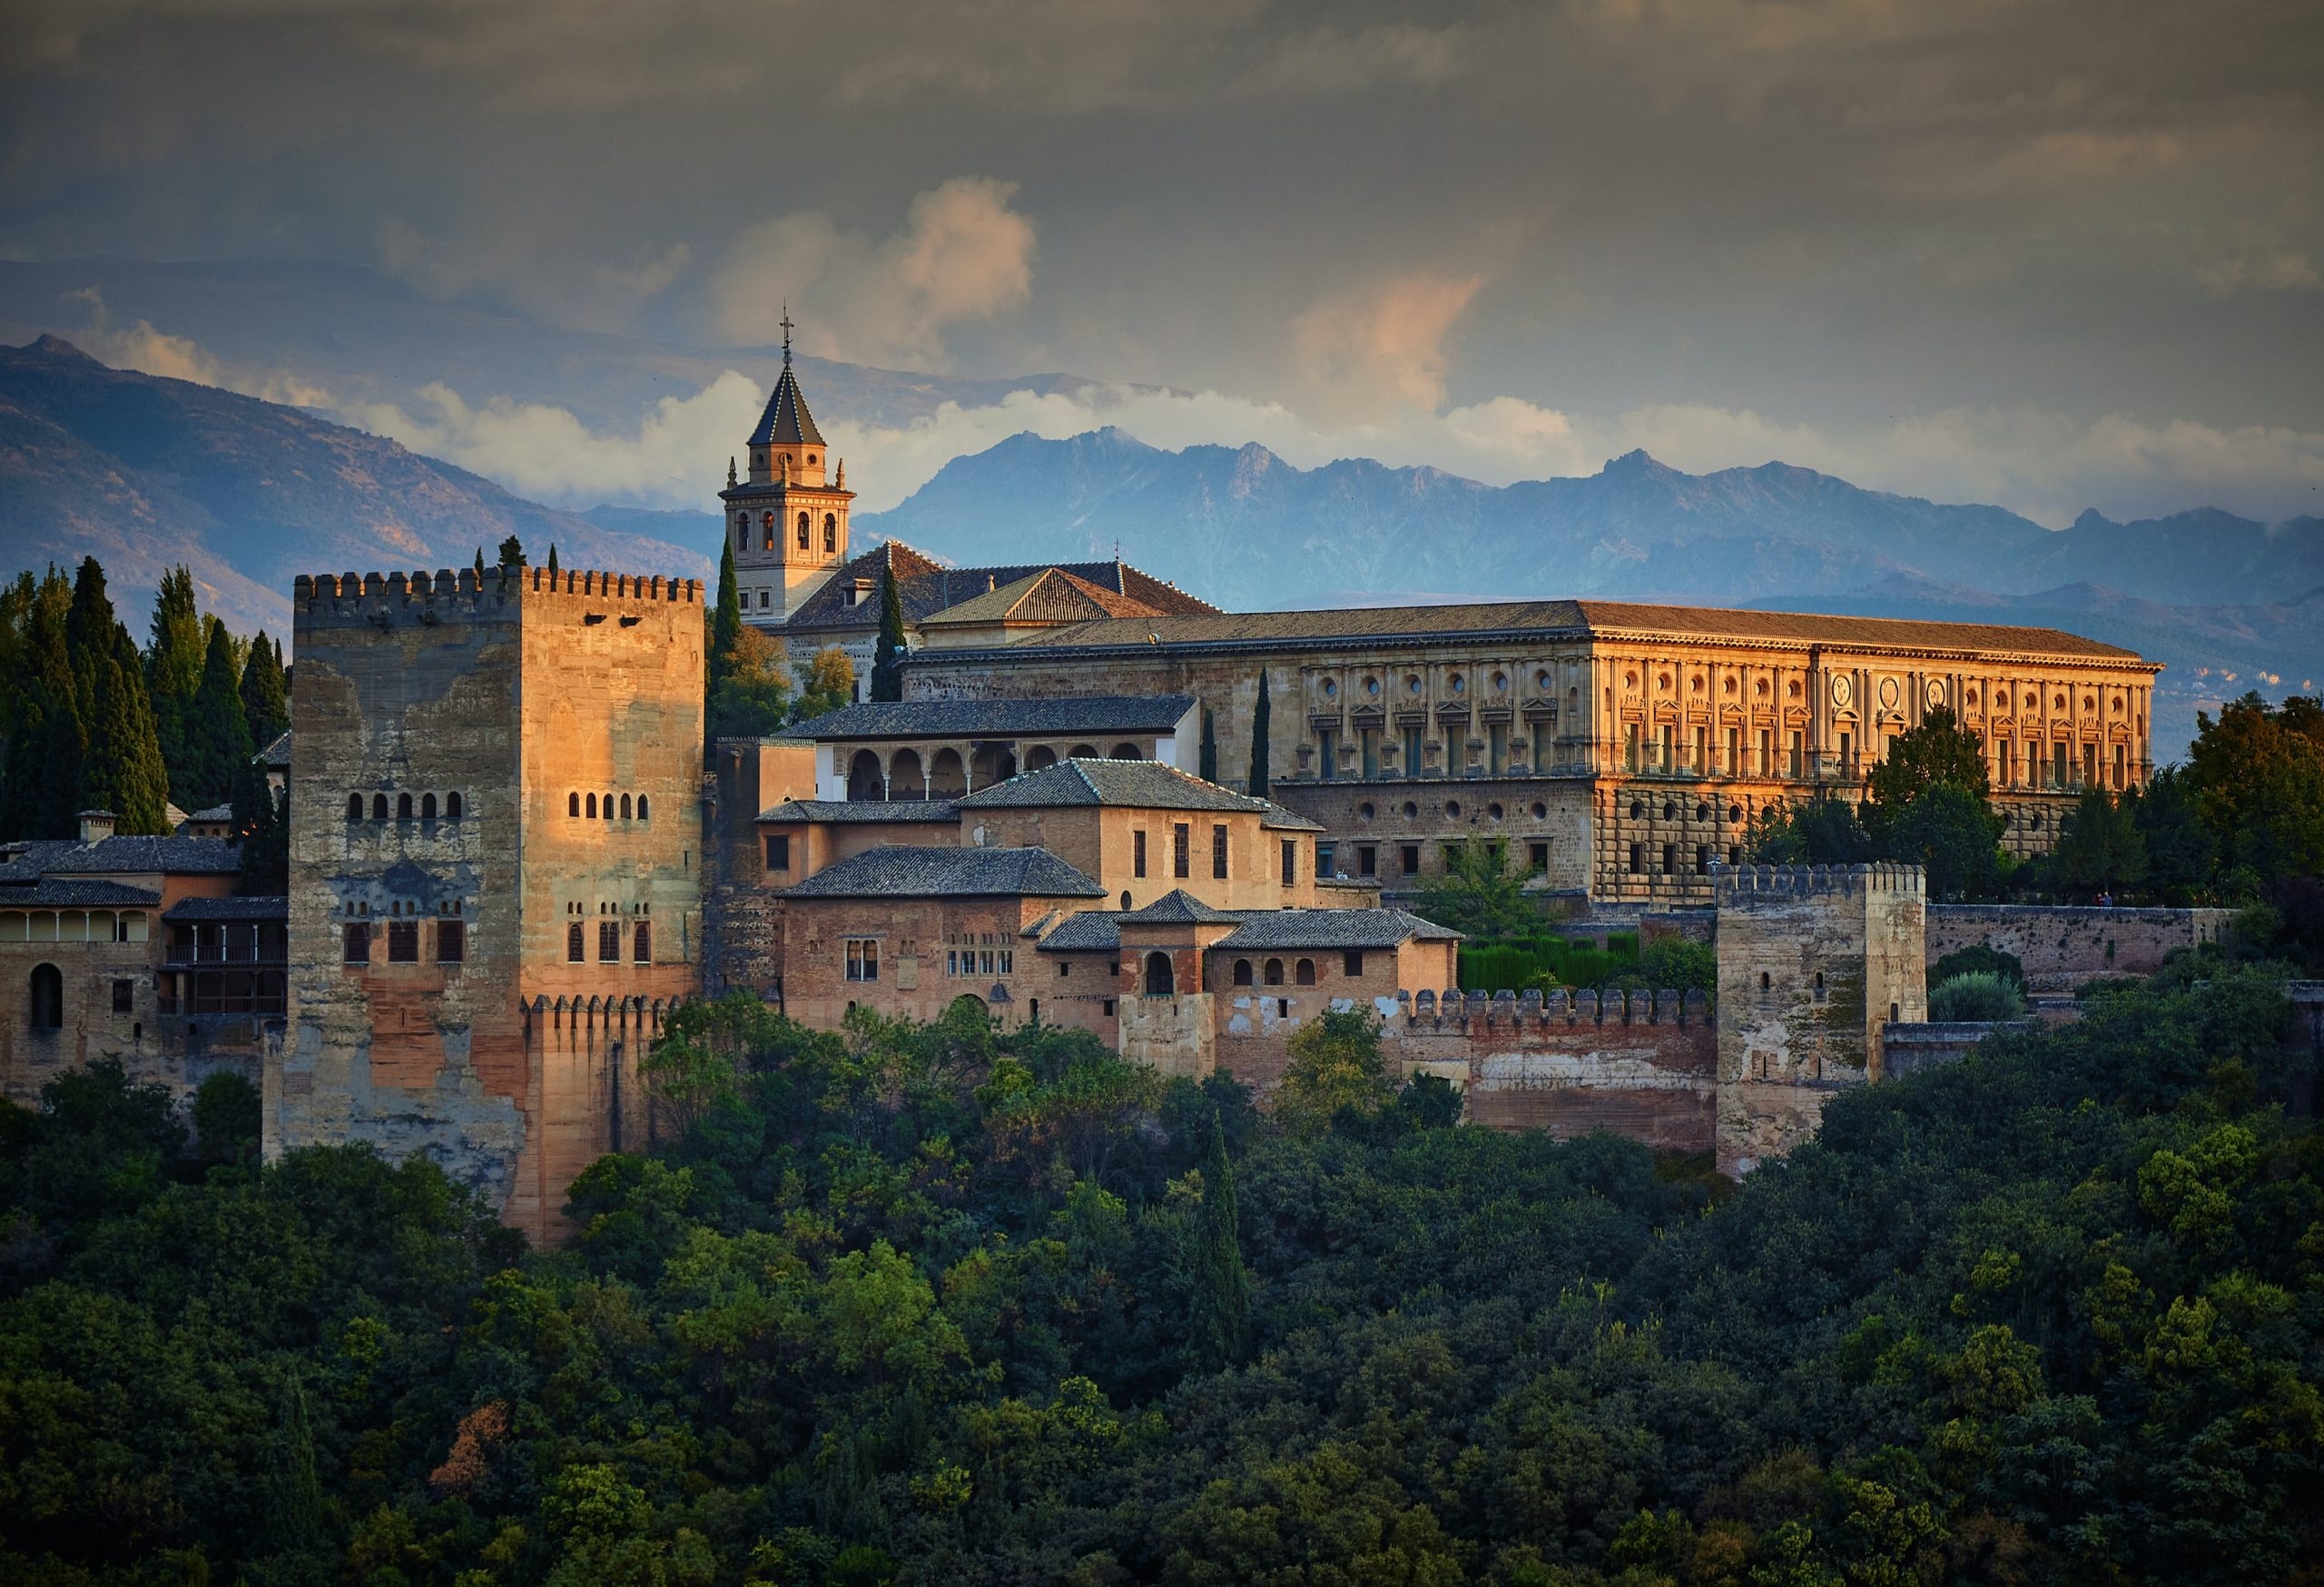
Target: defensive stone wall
column 2063, row 946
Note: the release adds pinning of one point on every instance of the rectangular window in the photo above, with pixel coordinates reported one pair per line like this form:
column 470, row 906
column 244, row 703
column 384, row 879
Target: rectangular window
column 403, row 941
column 1327, row 753
column 778, row 851
column 951, row 962
column 2059, row 760
column 1408, row 858
column 122, row 992
column 574, row 950
column 1496, row 747
column 1669, row 858
column 609, row 942
column 1669, row 761
column 1218, row 853
column 1703, row 750
column 355, row 943
column 1702, row 859
column 862, row 959
column 984, row 961
column 1367, row 859
column 1766, row 766
column 1181, row 850
column 2090, row 763
column 1630, row 747
column 1324, row 860
column 451, row 942
column 1137, row 854
column 1063, row 969
column 1735, row 854
column 1638, row 859
column 1351, row 961
column 1537, row 857
column 2122, row 760
column 641, row 944
column 1009, row 962
column 1798, row 751
column 1290, row 861
column 1847, row 752
column 1411, row 752
column 1734, row 767
column 1107, row 1006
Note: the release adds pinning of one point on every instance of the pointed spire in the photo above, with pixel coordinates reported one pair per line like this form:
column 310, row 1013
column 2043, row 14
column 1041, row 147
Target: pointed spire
column 730, row 469
column 786, row 335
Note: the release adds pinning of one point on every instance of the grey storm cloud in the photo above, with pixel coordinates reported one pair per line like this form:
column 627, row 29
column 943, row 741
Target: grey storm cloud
column 1910, row 234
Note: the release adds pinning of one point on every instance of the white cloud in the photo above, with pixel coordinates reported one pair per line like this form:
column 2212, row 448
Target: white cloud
column 1380, row 345
column 963, row 254
column 2275, row 269
column 178, row 358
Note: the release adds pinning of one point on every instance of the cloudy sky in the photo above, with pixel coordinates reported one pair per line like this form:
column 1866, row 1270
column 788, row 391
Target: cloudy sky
column 2058, row 255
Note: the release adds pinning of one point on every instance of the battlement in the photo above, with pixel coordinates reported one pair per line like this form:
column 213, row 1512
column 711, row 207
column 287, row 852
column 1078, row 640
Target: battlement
column 495, row 584
column 1745, row 885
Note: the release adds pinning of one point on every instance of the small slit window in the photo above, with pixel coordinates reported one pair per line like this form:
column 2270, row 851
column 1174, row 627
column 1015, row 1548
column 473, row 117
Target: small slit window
column 403, row 807
column 625, row 807
column 641, row 807
column 572, row 804
column 355, row 807
column 592, row 810
column 378, row 807
column 451, row 807
column 428, row 807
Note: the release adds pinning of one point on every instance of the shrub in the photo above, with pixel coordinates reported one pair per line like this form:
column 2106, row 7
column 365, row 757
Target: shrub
column 1680, row 962
column 1979, row 960
column 1979, row 995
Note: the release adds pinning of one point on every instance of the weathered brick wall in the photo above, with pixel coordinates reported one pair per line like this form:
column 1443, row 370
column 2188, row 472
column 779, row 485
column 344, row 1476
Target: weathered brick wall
column 519, row 694
column 2063, row 946
column 1645, row 1067
column 742, row 919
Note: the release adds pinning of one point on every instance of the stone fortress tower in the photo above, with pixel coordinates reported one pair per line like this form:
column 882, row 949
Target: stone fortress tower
column 1815, row 963
column 496, row 867
column 787, row 521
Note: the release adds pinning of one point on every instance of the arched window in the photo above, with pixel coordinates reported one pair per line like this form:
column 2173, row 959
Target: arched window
column 625, row 807
column 641, row 807
column 428, row 807
column 572, row 804
column 1242, row 972
column 378, row 807
column 1303, row 974
column 802, row 531
column 47, row 998
column 1161, row 982
column 403, row 807
column 355, row 807
column 592, row 811
column 766, row 523
column 1273, row 973
column 452, row 806
column 1125, row 752
column 1126, row 906
column 742, row 531
column 831, row 531
column 607, row 806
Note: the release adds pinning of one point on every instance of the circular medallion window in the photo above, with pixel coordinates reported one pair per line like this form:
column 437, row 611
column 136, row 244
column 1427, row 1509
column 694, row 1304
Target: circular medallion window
column 1888, row 694
column 1372, row 687
column 1412, row 811
column 2089, row 703
column 1412, row 683
column 1702, row 812
column 1663, row 682
column 1735, row 812
column 1730, row 686
column 2059, row 703
column 1973, row 696
column 1452, row 808
column 1637, row 810
column 1541, row 811
column 1793, row 688
column 1698, row 683
column 1669, row 811
column 1936, row 693
column 1364, row 811
column 1541, row 681
column 1492, row 810
column 1843, row 690
column 1457, row 683
column 1629, row 680
column 1330, row 689
column 1501, row 683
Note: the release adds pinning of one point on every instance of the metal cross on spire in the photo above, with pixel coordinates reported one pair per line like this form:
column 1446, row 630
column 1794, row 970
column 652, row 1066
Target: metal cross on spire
column 785, row 323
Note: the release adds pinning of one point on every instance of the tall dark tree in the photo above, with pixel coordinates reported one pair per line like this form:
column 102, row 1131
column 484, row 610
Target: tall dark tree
column 122, row 770
column 512, row 553
column 888, row 659
column 725, row 625
column 2180, row 849
column 221, row 735
column 173, row 666
column 1950, row 834
column 1262, row 724
column 2258, row 774
column 46, row 739
column 1940, row 750
column 89, row 624
column 265, row 692
column 552, row 558
column 1817, row 831
column 1209, row 761
column 1221, row 1287
column 263, row 817
column 2100, row 848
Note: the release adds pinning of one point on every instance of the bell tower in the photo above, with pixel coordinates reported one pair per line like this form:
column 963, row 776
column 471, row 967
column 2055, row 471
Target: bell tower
column 787, row 520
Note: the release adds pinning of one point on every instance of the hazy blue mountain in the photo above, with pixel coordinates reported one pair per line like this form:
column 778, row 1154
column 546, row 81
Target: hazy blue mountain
column 147, row 473
column 1244, row 528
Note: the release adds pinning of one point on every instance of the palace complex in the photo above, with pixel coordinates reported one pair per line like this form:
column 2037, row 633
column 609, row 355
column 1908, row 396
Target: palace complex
column 512, row 852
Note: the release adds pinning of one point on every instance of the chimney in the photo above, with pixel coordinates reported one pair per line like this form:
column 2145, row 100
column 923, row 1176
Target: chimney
column 97, row 825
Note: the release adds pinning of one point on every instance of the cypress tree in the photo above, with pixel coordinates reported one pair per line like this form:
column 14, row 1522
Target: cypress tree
column 552, row 558
column 265, row 692
column 1221, row 1287
column 263, row 819
column 221, row 734
column 1260, row 727
column 89, row 624
column 725, row 623
column 124, row 771
column 46, row 741
column 173, row 666
column 512, row 553
column 1209, row 763
column 887, row 660
column 479, row 565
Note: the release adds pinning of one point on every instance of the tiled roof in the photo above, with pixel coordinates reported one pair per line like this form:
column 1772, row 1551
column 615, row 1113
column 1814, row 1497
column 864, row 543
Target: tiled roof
column 277, row 753
column 1051, row 595
column 1564, row 618
column 229, row 908
column 1098, row 715
column 1143, row 785
column 1093, row 931
column 786, row 421
column 172, row 856
column 1332, row 928
column 917, row 872
column 925, row 587
column 878, row 810
column 26, row 860
column 1279, row 819
column 46, row 894
column 1178, row 907
column 214, row 813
